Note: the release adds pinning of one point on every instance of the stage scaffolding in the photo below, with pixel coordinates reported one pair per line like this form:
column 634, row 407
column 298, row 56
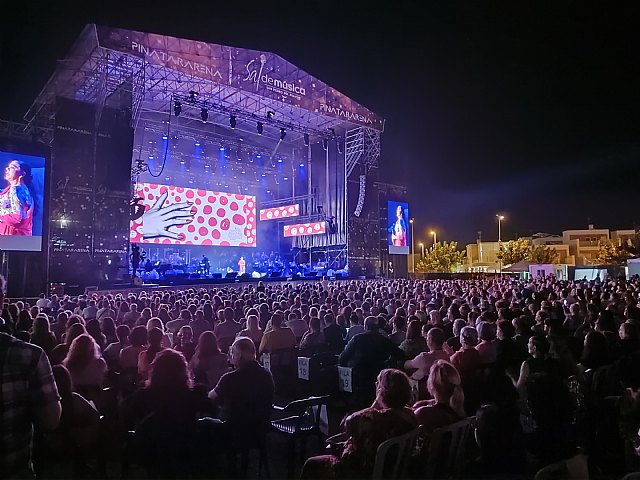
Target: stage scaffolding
column 146, row 74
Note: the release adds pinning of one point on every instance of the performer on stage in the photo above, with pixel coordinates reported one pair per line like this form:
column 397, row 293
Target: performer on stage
column 135, row 258
column 204, row 265
column 241, row 266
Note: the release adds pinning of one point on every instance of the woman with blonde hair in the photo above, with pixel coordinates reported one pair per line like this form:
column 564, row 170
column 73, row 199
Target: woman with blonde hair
column 253, row 330
column 447, row 406
column 85, row 364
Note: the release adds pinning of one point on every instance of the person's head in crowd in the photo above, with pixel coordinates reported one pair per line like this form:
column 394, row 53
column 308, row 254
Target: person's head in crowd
column 314, row 324
column 458, row 325
column 522, row 325
column 155, row 337
column 435, row 339
column 596, row 350
column 155, row 322
column 486, row 331
column 468, row 337
column 185, row 334
column 276, row 320
column 399, row 323
column 371, row 324
column 393, row 389
column 505, row 329
column 207, row 345
column 629, row 331
column 414, row 330
column 243, row 351
column 606, row 322
column 138, row 336
column 445, row 386
column 500, row 440
column 253, row 322
column 169, row 373
column 73, row 331
column 83, row 350
column 41, row 326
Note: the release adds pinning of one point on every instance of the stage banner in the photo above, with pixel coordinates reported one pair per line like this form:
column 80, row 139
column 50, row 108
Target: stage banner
column 261, row 73
column 168, row 214
column 276, row 213
column 298, row 230
column 72, row 194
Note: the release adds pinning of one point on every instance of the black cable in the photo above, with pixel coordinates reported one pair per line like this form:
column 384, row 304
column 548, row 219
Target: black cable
column 166, row 147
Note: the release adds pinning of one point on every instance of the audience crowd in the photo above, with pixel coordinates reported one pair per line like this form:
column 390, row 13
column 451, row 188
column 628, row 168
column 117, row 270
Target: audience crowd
column 545, row 369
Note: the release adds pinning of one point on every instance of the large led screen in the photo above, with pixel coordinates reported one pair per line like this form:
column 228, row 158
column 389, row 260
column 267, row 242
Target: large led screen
column 21, row 202
column 300, row 229
column 398, row 231
column 275, row 213
column 176, row 215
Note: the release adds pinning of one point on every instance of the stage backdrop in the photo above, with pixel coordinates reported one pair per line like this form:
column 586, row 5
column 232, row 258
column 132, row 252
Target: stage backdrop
column 89, row 219
column 169, row 214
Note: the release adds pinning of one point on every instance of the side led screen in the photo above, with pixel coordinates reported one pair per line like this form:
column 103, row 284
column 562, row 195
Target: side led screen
column 280, row 212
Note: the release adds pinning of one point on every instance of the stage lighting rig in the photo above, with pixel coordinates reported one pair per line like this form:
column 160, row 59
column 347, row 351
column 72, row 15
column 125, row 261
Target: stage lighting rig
column 232, row 121
column 259, row 128
column 306, row 139
column 325, row 143
column 204, row 114
column 193, row 96
column 283, row 133
column 270, row 115
column 177, row 108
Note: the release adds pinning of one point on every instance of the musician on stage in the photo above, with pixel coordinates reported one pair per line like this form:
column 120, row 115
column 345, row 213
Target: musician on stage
column 204, row 265
column 135, row 258
column 241, row 266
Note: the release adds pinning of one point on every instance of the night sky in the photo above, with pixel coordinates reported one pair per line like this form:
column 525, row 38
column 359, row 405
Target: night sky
column 490, row 106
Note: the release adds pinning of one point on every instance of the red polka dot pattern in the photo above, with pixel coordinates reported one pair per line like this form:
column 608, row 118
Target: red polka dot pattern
column 314, row 228
column 230, row 223
column 280, row 212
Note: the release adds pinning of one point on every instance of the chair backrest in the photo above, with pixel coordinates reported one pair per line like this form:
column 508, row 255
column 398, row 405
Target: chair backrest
column 392, row 456
column 284, row 357
column 447, row 449
column 575, row 467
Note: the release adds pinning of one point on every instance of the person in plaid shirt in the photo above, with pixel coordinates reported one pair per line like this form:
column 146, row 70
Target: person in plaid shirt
column 28, row 396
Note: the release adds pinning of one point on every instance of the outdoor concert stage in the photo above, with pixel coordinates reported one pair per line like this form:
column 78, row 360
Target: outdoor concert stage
column 192, row 149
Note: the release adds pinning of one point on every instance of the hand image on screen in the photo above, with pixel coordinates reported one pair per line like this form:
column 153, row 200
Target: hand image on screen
column 157, row 221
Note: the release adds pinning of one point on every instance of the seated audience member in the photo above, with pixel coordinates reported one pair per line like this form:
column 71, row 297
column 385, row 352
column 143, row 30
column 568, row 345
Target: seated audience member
column 509, row 354
column 164, row 416
column 59, row 353
column 174, row 326
column 365, row 430
column 184, row 342
column 367, row 354
column 85, row 364
column 467, row 359
column 313, row 338
column 93, row 329
column 488, row 347
column 540, row 361
column 447, row 407
column 245, row 396
column 332, row 334
column 500, row 442
column 355, row 328
column 80, row 421
column 146, row 357
column 109, row 329
column 111, row 354
column 414, row 343
column 399, row 330
column 41, row 334
column 423, row 362
column 279, row 337
column 227, row 330
column 208, row 363
column 252, row 330
column 452, row 345
column 155, row 322
column 297, row 325
column 129, row 355
column 199, row 324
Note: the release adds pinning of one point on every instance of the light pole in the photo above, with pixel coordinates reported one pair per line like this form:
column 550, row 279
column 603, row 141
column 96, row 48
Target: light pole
column 500, row 218
column 422, row 250
column 434, row 236
column 413, row 258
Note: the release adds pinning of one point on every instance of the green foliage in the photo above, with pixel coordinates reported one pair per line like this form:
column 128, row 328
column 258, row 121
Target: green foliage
column 612, row 254
column 514, row 251
column 542, row 254
column 441, row 257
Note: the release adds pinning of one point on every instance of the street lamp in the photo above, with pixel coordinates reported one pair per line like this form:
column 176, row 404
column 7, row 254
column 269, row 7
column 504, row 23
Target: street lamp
column 434, row 236
column 413, row 258
column 500, row 218
column 422, row 250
